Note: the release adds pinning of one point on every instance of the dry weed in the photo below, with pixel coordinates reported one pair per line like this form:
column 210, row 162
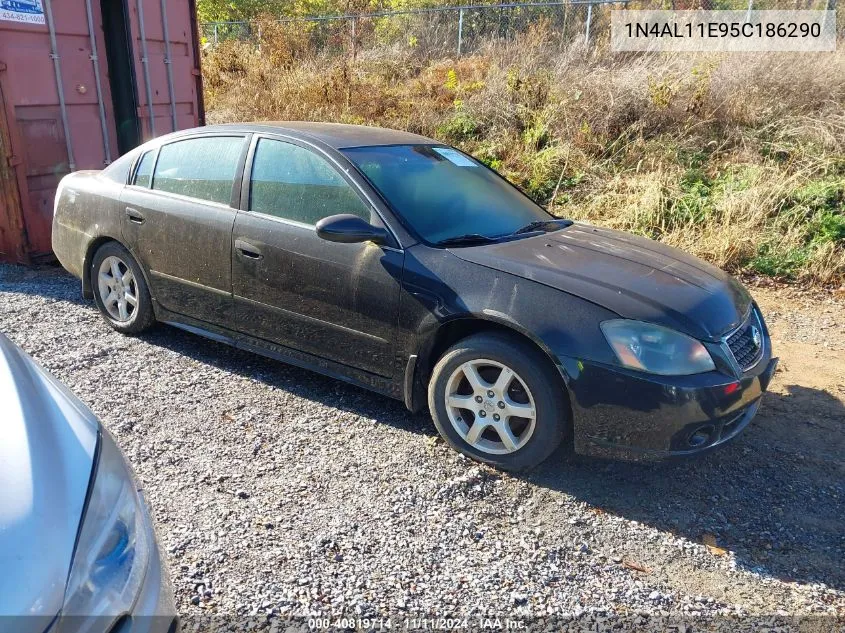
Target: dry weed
column 739, row 159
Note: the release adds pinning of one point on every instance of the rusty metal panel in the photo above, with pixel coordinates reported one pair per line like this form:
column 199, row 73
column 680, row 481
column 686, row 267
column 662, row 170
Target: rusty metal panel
column 32, row 109
column 35, row 135
column 12, row 232
column 42, row 133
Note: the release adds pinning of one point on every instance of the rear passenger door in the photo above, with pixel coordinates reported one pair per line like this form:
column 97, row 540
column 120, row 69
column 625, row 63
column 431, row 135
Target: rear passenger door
column 336, row 301
column 179, row 213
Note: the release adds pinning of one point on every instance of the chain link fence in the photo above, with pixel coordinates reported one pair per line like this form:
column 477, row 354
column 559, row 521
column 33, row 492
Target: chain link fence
column 463, row 29
column 459, row 30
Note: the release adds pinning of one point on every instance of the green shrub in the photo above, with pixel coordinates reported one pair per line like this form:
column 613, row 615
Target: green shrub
column 828, row 227
column 462, row 126
column 777, row 261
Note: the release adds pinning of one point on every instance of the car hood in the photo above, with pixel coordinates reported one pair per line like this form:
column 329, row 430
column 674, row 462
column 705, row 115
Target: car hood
column 48, row 440
column 633, row 276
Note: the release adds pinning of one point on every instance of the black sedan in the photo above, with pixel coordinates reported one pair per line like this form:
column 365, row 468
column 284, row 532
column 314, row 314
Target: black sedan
column 397, row 263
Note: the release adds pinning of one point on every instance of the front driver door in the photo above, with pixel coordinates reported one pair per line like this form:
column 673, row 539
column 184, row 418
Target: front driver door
column 336, row 301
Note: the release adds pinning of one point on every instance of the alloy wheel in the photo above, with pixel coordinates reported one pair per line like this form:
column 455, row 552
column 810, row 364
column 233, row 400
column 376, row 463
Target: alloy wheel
column 490, row 406
column 118, row 289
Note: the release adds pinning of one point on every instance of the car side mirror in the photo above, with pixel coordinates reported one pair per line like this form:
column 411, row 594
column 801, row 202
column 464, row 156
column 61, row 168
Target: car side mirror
column 348, row 229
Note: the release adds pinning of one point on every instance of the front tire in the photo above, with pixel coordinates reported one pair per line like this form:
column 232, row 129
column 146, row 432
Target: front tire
column 498, row 401
column 120, row 290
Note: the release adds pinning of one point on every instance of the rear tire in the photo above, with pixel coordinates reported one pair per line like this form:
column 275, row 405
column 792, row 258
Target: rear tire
column 120, row 290
column 498, row 401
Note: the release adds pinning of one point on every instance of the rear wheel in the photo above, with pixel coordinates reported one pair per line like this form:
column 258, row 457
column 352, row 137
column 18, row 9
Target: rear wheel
column 120, row 290
column 494, row 399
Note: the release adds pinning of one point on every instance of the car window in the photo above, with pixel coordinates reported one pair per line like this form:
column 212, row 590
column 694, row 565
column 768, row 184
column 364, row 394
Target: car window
column 144, row 172
column 202, row 168
column 442, row 193
column 294, row 183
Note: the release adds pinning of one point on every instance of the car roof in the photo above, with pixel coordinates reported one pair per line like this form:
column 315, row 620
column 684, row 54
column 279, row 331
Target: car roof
column 335, row 135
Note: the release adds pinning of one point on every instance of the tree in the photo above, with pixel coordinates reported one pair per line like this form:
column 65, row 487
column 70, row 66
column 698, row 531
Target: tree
column 243, row 10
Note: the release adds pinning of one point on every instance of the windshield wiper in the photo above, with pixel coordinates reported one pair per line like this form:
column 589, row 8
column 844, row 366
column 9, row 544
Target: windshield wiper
column 548, row 225
column 477, row 238
column 468, row 239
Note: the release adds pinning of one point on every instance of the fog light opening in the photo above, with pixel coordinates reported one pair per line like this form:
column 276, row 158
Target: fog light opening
column 701, row 436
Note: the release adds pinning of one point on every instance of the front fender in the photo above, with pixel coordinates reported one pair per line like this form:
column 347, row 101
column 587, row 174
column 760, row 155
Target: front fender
column 444, row 295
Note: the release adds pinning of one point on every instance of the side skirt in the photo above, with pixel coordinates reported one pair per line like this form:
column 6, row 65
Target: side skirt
column 284, row 354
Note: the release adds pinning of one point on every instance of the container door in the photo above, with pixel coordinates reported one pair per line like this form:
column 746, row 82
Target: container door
column 168, row 84
column 52, row 108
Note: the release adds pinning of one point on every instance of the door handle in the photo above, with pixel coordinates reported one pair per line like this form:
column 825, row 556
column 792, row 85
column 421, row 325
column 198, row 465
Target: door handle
column 248, row 250
column 134, row 215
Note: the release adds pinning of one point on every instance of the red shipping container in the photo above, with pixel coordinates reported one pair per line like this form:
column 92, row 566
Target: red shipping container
column 81, row 82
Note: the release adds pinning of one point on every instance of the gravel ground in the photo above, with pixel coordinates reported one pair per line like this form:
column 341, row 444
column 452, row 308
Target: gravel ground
column 277, row 491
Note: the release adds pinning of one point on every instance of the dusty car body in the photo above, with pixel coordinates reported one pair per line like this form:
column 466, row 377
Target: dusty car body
column 64, row 569
column 381, row 312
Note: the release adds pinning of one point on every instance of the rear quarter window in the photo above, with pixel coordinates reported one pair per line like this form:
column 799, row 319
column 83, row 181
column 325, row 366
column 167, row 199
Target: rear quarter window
column 144, row 171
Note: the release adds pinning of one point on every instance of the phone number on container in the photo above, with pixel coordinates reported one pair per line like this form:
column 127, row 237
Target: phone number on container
column 723, row 29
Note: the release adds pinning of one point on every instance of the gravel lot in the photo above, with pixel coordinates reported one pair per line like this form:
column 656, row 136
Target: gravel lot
column 277, row 491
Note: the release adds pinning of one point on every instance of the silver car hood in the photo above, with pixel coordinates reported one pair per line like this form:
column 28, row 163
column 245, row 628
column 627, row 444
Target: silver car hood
column 48, row 440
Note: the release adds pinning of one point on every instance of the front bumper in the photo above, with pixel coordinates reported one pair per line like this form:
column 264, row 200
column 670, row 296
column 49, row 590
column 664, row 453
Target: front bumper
column 620, row 413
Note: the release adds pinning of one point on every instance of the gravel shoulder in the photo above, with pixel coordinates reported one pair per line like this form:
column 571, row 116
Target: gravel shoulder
column 278, row 491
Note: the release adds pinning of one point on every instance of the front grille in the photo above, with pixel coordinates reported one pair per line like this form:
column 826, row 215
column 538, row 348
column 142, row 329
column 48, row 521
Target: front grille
column 746, row 342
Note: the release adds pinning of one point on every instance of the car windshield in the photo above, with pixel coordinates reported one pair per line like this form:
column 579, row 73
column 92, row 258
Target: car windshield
column 444, row 195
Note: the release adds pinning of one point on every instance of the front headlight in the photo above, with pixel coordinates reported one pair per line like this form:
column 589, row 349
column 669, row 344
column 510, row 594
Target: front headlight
column 655, row 349
column 114, row 543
